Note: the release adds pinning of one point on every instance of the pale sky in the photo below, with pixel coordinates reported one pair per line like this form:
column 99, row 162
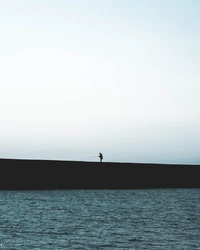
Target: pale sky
column 119, row 77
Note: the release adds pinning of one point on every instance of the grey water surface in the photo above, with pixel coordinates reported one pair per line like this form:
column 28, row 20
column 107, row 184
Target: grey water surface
column 100, row 219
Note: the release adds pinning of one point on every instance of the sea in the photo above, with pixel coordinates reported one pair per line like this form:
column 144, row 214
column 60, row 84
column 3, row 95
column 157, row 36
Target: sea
column 100, row 219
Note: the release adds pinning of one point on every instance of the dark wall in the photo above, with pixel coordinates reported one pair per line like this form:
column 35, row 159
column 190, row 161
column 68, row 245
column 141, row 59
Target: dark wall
column 41, row 174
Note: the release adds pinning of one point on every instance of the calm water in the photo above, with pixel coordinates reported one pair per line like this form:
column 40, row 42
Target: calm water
column 100, row 219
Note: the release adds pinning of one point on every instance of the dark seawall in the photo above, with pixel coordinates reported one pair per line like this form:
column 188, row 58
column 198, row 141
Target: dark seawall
column 48, row 174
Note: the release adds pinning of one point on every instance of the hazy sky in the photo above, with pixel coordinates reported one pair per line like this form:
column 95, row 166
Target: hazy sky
column 119, row 77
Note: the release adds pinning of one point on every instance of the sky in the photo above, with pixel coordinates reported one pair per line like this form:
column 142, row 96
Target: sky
column 119, row 77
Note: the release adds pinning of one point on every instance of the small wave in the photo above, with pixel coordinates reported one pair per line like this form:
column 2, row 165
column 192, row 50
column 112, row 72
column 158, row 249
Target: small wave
column 134, row 240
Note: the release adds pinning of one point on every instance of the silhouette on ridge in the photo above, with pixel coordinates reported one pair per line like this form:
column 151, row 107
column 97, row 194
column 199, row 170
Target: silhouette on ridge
column 101, row 157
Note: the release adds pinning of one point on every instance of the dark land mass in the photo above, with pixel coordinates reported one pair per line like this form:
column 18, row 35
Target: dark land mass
column 19, row 174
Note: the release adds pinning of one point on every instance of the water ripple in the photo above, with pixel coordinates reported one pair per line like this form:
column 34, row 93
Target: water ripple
column 100, row 219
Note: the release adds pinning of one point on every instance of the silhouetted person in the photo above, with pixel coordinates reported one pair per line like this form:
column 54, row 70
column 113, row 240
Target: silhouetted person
column 101, row 157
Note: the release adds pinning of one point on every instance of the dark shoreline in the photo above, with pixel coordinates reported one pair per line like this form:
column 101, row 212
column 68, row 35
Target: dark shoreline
column 22, row 174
